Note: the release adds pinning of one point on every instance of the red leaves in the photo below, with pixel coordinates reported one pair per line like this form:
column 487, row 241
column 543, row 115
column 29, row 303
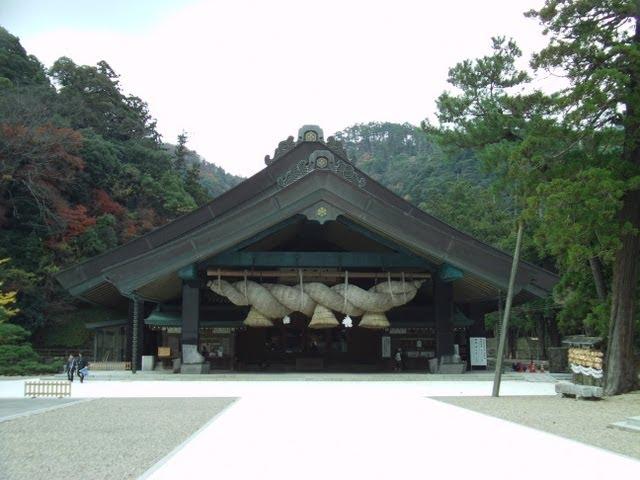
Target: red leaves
column 76, row 219
column 105, row 204
column 38, row 165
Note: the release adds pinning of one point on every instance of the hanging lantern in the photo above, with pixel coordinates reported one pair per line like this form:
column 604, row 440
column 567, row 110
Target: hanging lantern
column 286, row 320
column 374, row 321
column 256, row 319
column 323, row 318
column 347, row 322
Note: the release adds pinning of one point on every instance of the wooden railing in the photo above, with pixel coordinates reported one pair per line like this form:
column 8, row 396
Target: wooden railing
column 64, row 352
column 47, row 388
column 109, row 366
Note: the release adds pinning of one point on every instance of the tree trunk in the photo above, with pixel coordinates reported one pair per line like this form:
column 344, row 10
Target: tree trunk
column 554, row 333
column 541, row 334
column 620, row 366
column 513, row 343
column 621, row 374
column 598, row 278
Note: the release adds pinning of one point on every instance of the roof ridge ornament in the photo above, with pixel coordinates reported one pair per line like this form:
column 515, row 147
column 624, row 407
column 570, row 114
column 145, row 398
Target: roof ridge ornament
column 307, row 133
column 310, row 133
column 337, row 147
column 322, row 160
column 283, row 147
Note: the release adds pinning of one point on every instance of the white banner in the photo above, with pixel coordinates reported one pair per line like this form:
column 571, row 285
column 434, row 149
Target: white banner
column 386, row 346
column 478, row 351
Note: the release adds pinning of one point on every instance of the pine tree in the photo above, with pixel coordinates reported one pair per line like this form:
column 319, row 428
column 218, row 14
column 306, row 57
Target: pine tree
column 596, row 44
column 180, row 161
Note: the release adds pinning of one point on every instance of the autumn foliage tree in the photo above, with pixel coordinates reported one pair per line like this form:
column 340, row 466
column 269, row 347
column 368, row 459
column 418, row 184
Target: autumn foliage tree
column 82, row 170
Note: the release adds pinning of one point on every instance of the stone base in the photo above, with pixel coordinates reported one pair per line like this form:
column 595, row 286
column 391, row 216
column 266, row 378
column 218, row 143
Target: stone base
column 631, row 424
column 176, row 365
column 433, row 365
column 190, row 354
column 195, row 368
column 452, row 368
column 447, row 365
column 578, row 391
column 148, row 363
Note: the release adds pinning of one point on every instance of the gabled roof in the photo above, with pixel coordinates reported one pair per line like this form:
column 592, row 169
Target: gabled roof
column 311, row 178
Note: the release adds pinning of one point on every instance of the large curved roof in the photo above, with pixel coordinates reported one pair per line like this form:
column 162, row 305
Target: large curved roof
column 314, row 179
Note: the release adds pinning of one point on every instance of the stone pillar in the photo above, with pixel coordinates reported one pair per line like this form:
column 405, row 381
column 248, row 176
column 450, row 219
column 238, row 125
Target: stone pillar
column 192, row 361
column 135, row 333
column 443, row 311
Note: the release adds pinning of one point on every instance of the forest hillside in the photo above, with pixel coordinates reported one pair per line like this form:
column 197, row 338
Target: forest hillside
column 82, row 170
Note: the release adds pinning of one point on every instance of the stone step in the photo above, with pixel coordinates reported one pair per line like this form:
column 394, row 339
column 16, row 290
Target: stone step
column 579, row 391
column 630, row 424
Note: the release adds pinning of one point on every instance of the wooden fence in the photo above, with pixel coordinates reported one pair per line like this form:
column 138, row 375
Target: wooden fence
column 47, row 388
column 99, row 366
column 64, row 352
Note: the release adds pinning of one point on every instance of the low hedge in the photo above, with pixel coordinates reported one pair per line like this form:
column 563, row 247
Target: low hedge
column 17, row 356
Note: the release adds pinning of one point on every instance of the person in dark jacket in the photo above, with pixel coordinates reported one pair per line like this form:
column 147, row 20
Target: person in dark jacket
column 70, row 367
column 82, row 365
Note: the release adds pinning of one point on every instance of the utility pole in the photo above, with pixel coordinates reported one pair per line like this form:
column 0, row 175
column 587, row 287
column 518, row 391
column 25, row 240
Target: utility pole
column 507, row 311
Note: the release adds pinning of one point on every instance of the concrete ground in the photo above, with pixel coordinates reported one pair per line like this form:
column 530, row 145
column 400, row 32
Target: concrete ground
column 311, row 376
column 341, row 428
column 338, row 435
column 200, row 386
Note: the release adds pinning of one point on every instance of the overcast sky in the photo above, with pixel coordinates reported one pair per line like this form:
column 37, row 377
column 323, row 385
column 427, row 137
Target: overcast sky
column 239, row 76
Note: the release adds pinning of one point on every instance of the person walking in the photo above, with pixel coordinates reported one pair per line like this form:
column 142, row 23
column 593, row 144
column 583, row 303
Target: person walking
column 398, row 359
column 70, row 367
column 83, row 367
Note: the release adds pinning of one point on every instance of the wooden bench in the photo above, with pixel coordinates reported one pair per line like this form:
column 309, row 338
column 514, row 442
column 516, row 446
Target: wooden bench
column 47, row 388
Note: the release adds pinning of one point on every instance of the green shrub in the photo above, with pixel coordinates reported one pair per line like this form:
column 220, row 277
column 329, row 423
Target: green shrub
column 29, row 368
column 11, row 334
column 12, row 354
column 23, row 360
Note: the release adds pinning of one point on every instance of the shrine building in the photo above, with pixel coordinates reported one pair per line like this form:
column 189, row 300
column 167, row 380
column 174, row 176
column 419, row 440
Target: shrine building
column 307, row 265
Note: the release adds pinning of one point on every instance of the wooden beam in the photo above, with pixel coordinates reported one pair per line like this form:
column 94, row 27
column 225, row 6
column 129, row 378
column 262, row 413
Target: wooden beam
column 380, row 239
column 267, row 232
column 212, row 272
column 317, row 259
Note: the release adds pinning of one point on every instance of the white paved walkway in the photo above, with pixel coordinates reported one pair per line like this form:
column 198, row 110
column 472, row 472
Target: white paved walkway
column 359, row 430
column 336, row 436
column 208, row 388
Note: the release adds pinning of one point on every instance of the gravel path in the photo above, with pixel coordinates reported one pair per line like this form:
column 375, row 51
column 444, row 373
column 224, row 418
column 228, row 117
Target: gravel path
column 13, row 407
column 100, row 439
column 582, row 420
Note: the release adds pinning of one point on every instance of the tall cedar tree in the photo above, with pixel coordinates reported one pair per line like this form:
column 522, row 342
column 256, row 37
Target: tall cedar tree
column 180, row 161
column 597, row 44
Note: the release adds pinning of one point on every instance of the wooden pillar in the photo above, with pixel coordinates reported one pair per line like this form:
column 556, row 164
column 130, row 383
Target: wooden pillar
column 135, row 333
column 443, row 310
column 190, row 312
column 476, row 313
